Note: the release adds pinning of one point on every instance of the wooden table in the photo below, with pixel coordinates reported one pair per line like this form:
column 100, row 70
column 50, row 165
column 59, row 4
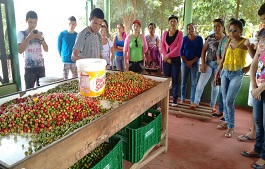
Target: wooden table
column 68, row 150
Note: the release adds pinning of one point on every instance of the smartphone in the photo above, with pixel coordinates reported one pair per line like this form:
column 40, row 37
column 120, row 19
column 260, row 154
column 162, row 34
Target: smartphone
column 35, row 31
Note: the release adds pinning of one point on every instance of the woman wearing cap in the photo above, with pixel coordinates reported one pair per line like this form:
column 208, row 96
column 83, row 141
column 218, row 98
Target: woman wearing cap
column 135, row 47
column 170, row 48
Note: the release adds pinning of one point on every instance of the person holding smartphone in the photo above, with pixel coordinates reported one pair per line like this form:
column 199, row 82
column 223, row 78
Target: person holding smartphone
column 30, row 43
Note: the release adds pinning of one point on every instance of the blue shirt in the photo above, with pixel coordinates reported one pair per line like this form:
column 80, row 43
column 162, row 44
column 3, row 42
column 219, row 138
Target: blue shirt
column 119, row 43
column 191, row 49
column 65, row 45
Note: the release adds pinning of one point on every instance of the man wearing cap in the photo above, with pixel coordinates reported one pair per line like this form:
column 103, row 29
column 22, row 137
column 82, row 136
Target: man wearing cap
column 135, row 47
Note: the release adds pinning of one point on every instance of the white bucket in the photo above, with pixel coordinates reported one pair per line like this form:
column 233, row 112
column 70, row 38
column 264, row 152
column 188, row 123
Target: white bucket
column 49, row 80
column 92, row 76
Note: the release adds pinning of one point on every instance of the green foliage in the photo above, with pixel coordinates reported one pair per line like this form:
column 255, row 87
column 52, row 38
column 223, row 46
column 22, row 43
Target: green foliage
column 3, row 14
column 204, row 12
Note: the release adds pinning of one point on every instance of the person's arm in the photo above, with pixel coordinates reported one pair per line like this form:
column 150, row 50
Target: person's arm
column 220, row 66
column 44, row 45
column 203, row 57
column 75, row 54
column 182, row 51
column 251, row 48
column 145, row 46
column 125, row 52
column 179, row 39
column 112, row 57
column 43, row 42
column 256, row 90
column 24, row 44
column 59, row 43
column 117, row 48
column 163, row 44
column 253, row 69
column 157, row 42
column 219, row 52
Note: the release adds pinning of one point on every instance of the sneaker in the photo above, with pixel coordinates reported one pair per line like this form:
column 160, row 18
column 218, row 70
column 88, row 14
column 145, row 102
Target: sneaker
column 174, row 104
column 222, row 119
column 217, row 114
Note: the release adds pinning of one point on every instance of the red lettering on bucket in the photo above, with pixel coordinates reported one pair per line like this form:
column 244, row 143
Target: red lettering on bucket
column 100, row 82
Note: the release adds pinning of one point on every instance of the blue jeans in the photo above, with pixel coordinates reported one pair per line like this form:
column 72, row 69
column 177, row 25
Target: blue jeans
column 172, row 70
column 185, row 71
column 231, row 82
column 120, row 63
column 211, row 69
column 259, row 119
column 221, row 104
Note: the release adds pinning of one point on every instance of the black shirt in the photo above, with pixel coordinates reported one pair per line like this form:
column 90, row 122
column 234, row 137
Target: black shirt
column 170, row 39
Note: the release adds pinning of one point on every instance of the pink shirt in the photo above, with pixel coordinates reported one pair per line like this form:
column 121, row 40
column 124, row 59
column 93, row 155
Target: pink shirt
column 174, row 48
column 126, row 47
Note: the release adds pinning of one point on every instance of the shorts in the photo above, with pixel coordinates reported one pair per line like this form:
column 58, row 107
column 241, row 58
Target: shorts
column 32, row 75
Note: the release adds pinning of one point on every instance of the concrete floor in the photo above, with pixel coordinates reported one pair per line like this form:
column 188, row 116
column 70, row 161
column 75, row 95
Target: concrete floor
column 194, row 144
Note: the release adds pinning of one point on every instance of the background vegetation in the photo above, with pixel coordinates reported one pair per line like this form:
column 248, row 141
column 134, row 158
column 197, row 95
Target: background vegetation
column 123, row 11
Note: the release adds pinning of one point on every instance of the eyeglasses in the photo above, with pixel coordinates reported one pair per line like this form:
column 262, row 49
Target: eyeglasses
column 233, row 30
column 136, row 43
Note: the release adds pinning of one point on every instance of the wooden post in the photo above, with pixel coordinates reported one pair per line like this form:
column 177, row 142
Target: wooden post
column 237, row 8
column 134, row 10
column 162, row 17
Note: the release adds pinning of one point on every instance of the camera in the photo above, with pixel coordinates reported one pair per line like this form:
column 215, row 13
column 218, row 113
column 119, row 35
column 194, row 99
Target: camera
column 35, row 31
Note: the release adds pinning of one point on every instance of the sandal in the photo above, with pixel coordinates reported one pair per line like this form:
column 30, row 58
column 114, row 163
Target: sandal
column 258, row 164
column 229, row 133
column 245, row 137
column 193, row 106
column 247, row 154
column 222, row 126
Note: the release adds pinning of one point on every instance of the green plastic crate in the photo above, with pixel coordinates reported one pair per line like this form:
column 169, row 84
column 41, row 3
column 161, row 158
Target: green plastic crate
column 140, row 135
column 113, row 160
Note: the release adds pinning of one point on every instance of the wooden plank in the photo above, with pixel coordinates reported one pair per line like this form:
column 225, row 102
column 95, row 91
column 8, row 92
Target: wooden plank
column 191, row 111
column 190, row 115
column 165, row 110
column 66, row 151
column 148, row 157
column 199, row 108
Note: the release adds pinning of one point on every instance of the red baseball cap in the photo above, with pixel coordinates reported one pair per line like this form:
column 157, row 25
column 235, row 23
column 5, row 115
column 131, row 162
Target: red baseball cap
column 137, row 21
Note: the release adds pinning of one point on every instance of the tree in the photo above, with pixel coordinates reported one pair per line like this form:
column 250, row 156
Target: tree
column 204, row 12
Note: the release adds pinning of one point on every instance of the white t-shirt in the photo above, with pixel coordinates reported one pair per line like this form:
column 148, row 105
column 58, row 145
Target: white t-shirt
column 33, row 53
column 106, row 50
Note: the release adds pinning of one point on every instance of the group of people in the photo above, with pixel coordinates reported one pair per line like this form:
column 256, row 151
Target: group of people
column 222, row 57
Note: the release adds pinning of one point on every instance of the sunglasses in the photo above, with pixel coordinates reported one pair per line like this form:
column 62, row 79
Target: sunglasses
column 233, row 30
column 136, row 43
